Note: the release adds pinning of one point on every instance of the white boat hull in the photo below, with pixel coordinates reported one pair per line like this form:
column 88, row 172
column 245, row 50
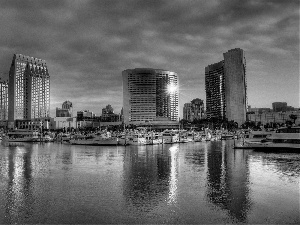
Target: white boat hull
column 103, row 142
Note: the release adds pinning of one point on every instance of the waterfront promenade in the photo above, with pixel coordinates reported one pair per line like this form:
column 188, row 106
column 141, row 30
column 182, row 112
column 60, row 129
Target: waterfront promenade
column 200, row 182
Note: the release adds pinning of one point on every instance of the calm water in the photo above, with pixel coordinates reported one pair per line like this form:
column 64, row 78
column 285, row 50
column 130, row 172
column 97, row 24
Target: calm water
column 182, row 183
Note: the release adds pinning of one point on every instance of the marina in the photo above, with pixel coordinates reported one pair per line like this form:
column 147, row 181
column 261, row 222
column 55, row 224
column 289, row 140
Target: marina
column 180, row 183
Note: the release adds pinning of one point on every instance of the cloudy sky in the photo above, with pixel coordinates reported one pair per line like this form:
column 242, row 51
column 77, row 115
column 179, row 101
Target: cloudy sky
column 87, row 44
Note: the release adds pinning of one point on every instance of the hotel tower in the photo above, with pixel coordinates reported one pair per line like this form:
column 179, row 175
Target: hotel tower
column 29, row 89
column 226, row 87
column 149, row 94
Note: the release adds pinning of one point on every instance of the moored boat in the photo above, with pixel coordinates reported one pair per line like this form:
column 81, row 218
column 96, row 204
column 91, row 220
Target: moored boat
column 99, row 139
column 285, row 138
column 22, row 135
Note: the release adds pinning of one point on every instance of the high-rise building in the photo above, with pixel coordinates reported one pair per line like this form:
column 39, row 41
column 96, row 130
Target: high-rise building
column 29, row 89
column 66, row 110
column 193, row 110
column 235, row 85
column 226, row 87
column 149, row 94
column 215, row 91
column 3, row 100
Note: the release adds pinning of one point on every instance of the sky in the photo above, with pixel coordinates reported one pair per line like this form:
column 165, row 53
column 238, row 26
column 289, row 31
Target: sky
column 87, row 44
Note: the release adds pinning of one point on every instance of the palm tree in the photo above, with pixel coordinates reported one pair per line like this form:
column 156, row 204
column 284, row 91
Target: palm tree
column 293, row 117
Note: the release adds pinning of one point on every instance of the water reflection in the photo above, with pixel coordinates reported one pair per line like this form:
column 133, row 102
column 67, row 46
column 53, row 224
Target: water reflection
column 19, row 193
column 146, row 177
column 173, row 174
column 287, row 164
column 227, row 180
column 182, row 183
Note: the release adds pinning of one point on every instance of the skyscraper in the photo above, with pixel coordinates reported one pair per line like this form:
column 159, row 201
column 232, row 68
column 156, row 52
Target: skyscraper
column 29, row 88
column 149, row 94
column 3, row 100
column 215, row 91
column 235, row 85
column 226, row 87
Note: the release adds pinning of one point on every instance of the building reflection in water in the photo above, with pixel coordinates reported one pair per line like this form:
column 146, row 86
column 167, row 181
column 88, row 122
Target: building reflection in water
column 147, row 177
column 228, row 180
column 19, row 192
column 173, row 174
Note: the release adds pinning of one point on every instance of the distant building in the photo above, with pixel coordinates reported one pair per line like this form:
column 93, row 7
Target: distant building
column 85, row 115
column 226, row 88
column 149, row 94
column 66, row 110
column 3, row 100
column 258, row 110
column 108, row 115
column 274, row 117
column 282, row 107
column 29, row 89
column 193, row 110
column 279, row 106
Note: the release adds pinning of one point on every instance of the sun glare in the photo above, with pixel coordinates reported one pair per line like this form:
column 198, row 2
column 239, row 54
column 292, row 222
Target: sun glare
column 172, row 88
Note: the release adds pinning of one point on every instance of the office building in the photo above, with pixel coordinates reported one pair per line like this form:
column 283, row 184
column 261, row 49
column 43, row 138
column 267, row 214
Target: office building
column 193, row 110
column 149, row 94
column 3, row 100
column 29, row 89
column 226, row 87
column 66, row 110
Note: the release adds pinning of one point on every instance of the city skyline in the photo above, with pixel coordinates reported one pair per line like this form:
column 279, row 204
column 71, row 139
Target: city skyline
column 87, row 45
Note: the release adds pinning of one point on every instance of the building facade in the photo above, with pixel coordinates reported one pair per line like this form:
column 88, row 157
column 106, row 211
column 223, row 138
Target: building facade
column 149, row 94
column 108, row 115
column 66, row 110
column 193, row 110
column 215, row 91
column 3, row 100
column 235, row 85
column 282, row 107
column 85, row 115
column 226, row 87
column 273, row 117
column 29, row 89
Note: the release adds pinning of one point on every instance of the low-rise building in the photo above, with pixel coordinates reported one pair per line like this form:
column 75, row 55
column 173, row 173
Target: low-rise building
column 66, row 110
column 274, row 117
column 193, row 110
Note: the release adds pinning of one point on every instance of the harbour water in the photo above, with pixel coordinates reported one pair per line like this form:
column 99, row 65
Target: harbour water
column 206, row 182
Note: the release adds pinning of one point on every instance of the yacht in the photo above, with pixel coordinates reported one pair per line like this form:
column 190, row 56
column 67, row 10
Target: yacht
column 22, row 135
column 136, row 139
column 99, row 139
column 283, row 138
column 170, row 137
column 153, row 139
column 256, row 135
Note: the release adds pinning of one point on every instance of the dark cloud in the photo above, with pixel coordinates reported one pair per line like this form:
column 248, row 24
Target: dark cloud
column 87, row 44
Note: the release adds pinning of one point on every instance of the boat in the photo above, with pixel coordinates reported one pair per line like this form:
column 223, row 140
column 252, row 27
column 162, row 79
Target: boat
column 63, row 137
column 170, row 137
column 136, row 139
column 256, row 135
column 285, row 138
column 153, row 139
column 47, row 138
column 99, row 139
column 22, row 135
